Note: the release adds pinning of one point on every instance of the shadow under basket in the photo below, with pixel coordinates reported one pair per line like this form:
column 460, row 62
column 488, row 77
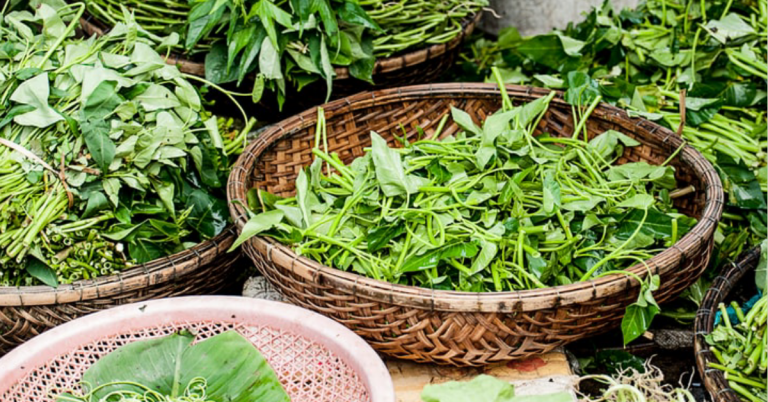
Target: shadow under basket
column 205, row 269
column 722, row 291
column 461, row 328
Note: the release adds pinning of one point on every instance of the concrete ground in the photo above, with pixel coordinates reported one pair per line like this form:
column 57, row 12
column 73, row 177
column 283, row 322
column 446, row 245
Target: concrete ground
column 533, row 17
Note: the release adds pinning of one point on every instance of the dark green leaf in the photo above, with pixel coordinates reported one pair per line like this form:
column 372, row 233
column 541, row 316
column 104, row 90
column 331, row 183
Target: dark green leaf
column 637, row 320
column 42, row 272
column 431, row 258
column 102, row 101
column 378, row 237
column 101, row 147
column 438, row 173
column 209, row 215
column 144, row 251
column 582, row 89
column 202, row 18
column 352, row 13
column 216, row 65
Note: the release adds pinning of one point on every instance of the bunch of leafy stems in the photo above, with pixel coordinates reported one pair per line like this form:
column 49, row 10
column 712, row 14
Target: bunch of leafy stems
column 749, row 339
column 439, row 235
column 79, row 250
column 158, row 17
column 407, row 24
column 729, row 130
column 721, row 133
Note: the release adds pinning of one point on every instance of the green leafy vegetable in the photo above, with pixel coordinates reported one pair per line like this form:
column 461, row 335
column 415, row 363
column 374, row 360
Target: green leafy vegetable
column 225, row 367
column 107, row 158
column 535, row 211
column 641, row 59
column 740, row 346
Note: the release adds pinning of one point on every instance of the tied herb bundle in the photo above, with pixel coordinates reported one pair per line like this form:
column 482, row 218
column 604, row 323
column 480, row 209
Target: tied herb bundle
column 493, row 208
column 107, row 156
column 409, row 24
column 641, row 60
column 740, row 344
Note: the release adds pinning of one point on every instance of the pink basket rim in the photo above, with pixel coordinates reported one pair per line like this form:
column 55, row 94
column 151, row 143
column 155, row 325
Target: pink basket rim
column 224, row 309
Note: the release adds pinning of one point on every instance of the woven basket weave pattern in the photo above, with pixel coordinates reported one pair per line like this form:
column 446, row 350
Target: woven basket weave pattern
column 202, row 270
column 719, row 292
column 290, row 355
column 454, row 327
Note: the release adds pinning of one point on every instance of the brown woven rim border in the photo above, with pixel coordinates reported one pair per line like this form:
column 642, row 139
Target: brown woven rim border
column 527, row 300
column 93, row 27
column 714, row 380
column 159, row 271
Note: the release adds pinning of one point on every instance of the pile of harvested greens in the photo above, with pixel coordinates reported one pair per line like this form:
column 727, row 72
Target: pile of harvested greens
column 173, row 369
column 491, row 209
column 641, row 60
column 407, row 25
column 107, row 155
column 739, row 341
column 292, row 42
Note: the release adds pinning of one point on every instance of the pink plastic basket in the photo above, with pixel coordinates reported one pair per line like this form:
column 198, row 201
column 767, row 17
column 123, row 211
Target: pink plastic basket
column 316, row 359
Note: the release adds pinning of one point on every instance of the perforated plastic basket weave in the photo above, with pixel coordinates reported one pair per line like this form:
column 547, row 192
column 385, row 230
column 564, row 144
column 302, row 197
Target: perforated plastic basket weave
column 315, row 358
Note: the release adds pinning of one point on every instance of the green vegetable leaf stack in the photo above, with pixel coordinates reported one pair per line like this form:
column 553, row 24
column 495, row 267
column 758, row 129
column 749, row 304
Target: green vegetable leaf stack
column 493, row 208
column 225, row 367
column 641, row 59
column 107, row 156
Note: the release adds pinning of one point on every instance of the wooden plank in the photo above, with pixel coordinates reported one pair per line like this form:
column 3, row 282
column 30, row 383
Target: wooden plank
column 547, row 373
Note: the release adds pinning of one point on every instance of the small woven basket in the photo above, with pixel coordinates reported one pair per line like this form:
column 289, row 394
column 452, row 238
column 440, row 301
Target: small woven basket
column 204, row 269
column 416, row 67
column 720, row 292
column 316, row 359
column 461, row 328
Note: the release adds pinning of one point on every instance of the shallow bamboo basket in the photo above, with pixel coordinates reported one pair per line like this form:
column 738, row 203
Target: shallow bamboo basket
column 721, row 291
column 460, row 328
column 204, row 269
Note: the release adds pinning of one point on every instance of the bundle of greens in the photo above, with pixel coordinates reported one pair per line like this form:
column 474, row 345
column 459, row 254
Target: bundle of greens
column 741, row 345
column 225, row 367
column 491, row 209
column 410, row 24
column 107, row 156
column 295, row 42
column 641, row 59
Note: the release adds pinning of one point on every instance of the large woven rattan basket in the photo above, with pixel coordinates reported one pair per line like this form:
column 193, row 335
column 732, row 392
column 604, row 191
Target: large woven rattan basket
column 315, row 359
column 721, row 292
column 201, row 270
column 419, row 66
column 451, row 327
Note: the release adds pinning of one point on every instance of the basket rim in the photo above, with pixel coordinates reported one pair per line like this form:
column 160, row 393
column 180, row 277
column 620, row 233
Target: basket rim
column 732, row 273
column 150, row 314
column 147, row 274
column 383, row 65
column 444, row 300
